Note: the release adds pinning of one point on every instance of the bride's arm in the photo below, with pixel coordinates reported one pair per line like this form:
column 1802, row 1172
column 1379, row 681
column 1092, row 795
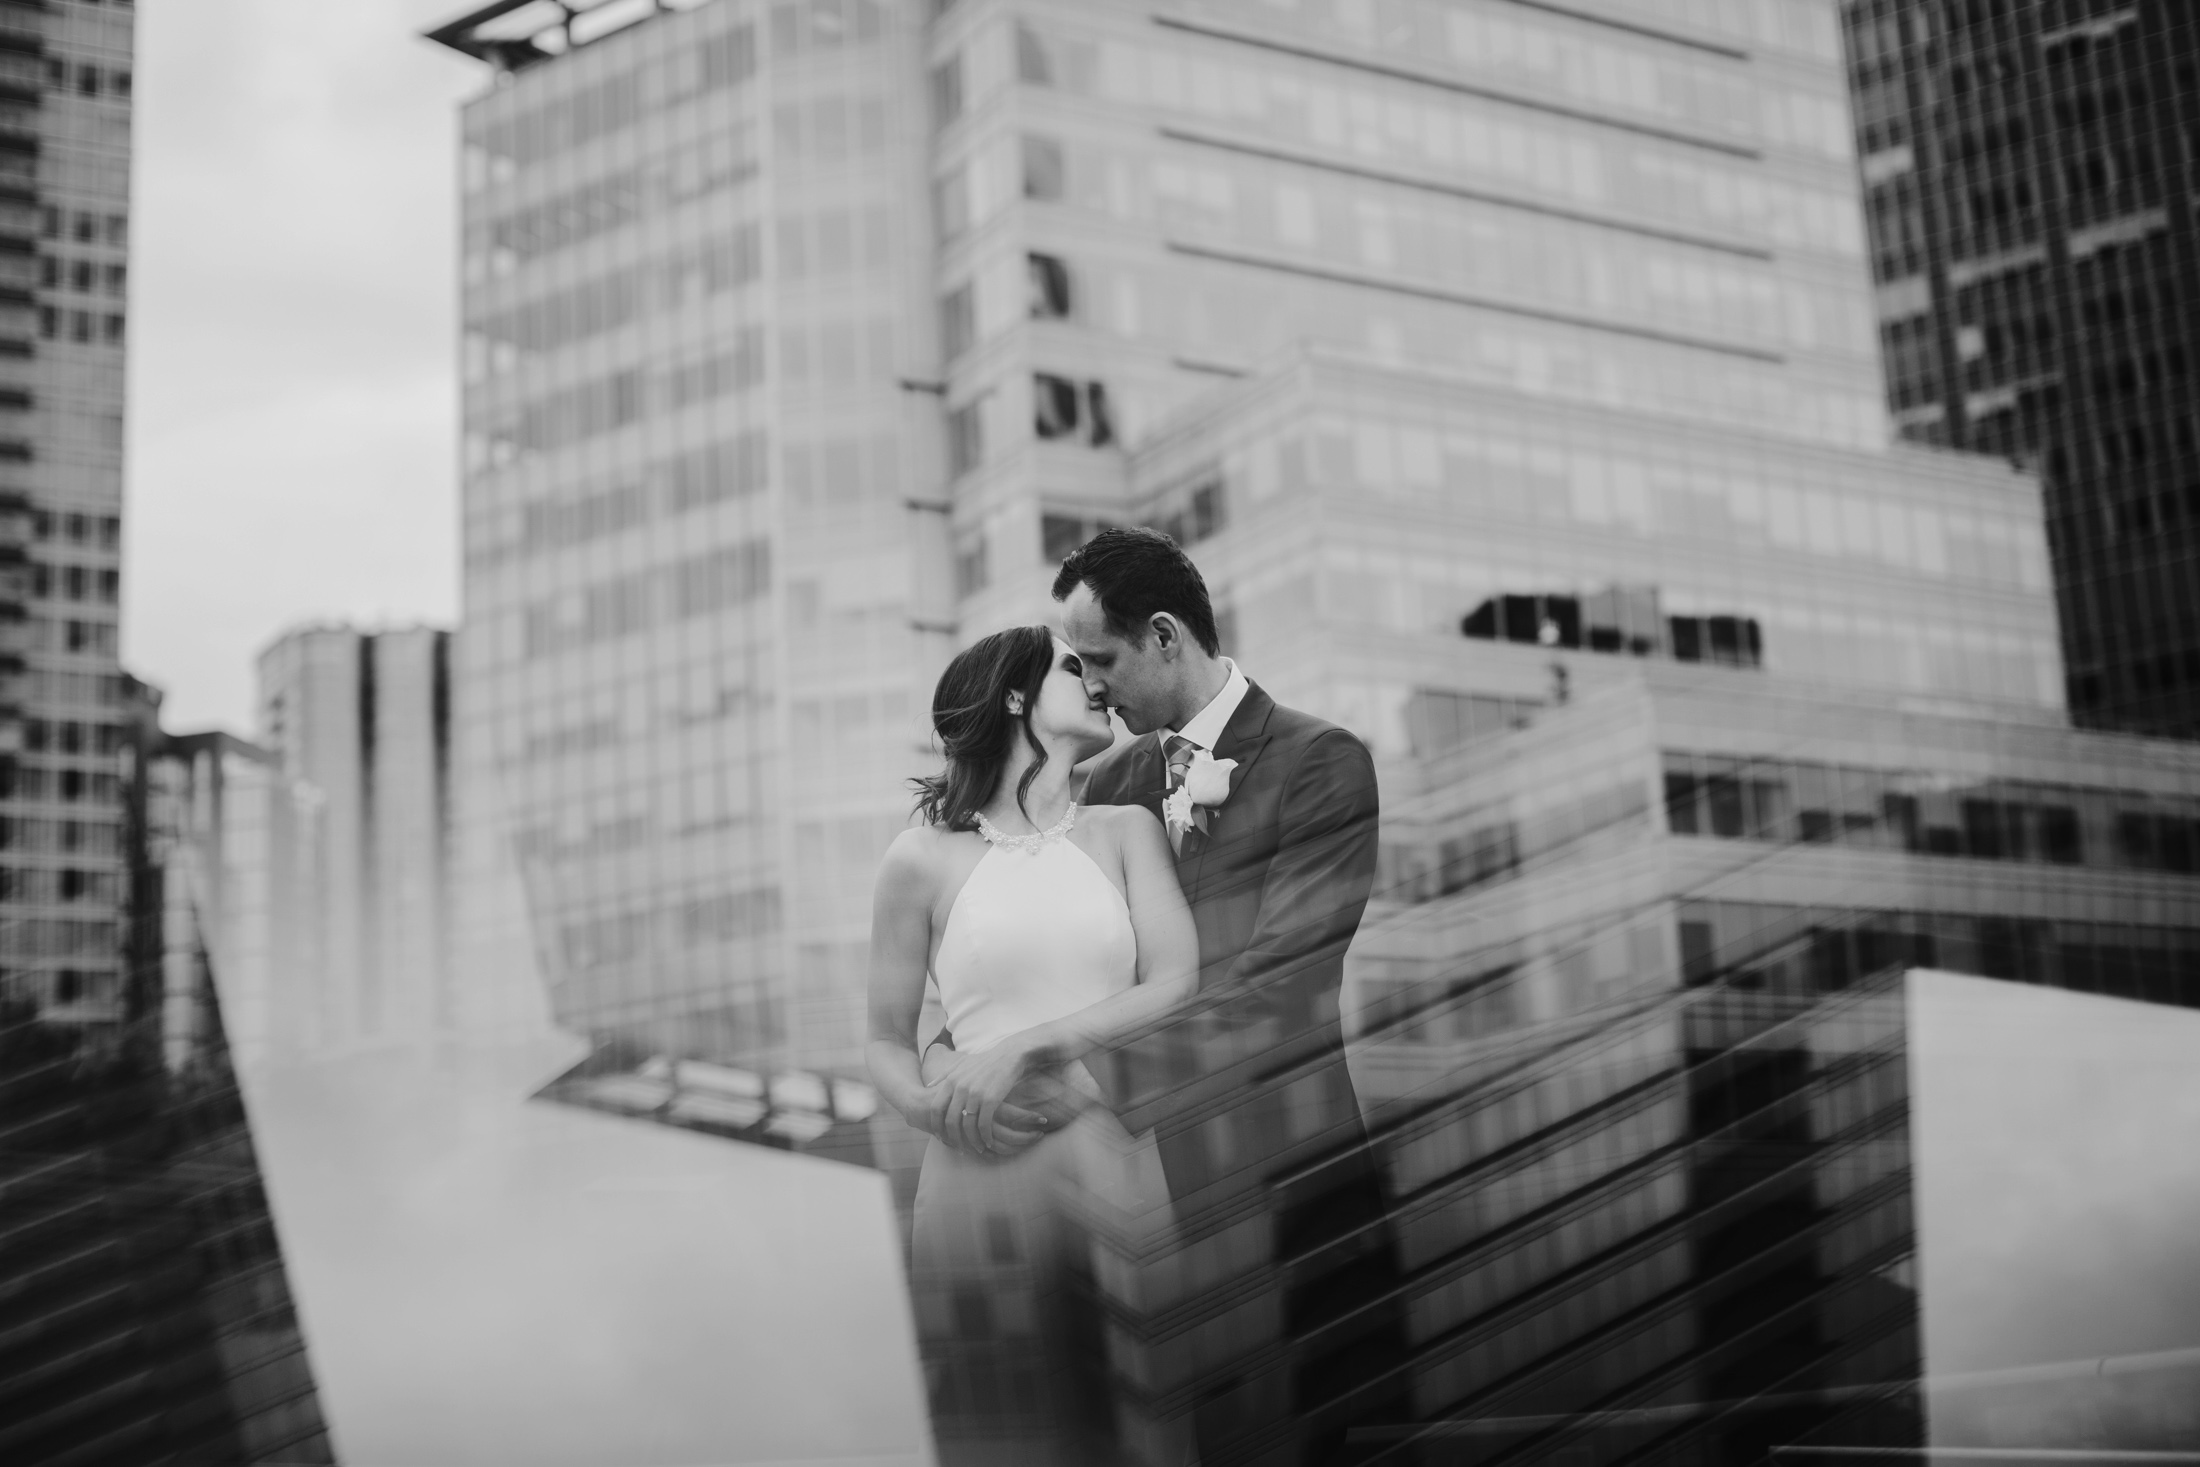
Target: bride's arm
column 1168, row 975
column 901, row 948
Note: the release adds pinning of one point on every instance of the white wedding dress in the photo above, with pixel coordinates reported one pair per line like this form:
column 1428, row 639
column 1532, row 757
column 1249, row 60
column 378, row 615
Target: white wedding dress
column 1010, row 1258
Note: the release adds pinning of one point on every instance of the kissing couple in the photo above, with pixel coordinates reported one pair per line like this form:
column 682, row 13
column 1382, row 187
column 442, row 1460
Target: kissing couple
column 1142, row 1044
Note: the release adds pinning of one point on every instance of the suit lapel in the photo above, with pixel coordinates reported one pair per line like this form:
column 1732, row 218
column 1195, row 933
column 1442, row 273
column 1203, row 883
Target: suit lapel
column 1242, row 739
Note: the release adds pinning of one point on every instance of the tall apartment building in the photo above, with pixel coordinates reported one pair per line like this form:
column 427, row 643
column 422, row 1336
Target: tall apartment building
column 65, row 110
column 2028, row 172
column 355, row 945
column 1495, row 362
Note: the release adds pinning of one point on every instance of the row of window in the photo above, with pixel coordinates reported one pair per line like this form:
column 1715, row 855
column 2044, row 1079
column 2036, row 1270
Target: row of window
column 611, row 302
column 46, row 937
column 1622, row 619
column 606, row 404
column 83, row 276
column 1806, row 950
column 1063, row 409
column 31, row 782
column 38, row 886
column 87, row 326
column 31, row 835
column 629, row 937
column 72, row 986
column 699, row 585
column 617, row 102
column 104, row 531
column 1994, row 820
column 90, row 637
column 498, row 246
column 730, row 468
column 76, row 583
column 87, row 80
column 1047, row 297
column 84, row 226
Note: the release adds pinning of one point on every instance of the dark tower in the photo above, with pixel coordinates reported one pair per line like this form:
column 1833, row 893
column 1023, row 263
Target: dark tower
column 2028, row 172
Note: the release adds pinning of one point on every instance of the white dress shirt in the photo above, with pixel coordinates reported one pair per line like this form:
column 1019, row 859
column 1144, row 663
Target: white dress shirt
column 1205, row 727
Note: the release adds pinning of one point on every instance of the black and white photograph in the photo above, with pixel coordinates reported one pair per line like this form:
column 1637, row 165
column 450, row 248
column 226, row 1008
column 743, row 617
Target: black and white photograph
column 1099, row 733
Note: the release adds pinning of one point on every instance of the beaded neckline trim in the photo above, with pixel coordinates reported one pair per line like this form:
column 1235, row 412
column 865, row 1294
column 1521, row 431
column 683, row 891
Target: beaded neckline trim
column 1029, row 845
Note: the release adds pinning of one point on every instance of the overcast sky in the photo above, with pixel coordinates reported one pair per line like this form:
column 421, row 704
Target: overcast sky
column 292, row 402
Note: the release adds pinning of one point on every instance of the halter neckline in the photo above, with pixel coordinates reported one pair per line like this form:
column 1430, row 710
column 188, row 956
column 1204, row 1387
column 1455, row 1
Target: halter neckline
column 1029, row 845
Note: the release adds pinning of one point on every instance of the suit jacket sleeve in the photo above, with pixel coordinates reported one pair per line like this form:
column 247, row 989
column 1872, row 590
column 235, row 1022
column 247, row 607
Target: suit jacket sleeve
column 1317, row 885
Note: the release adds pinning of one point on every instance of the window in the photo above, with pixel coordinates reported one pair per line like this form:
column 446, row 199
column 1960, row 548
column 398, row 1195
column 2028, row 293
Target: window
column 1053, row 406
column 1096, row 405
column 1032, row 64
column 971, row 569
column 951, row 202
column 87, row 228
column 1043, row 168
column 1048, row 278
column 958, row 322
column 87, row 81
column 965, row 437
column 1204, row 510
column 1059, row 534
column 80, row 275
column 947, row 91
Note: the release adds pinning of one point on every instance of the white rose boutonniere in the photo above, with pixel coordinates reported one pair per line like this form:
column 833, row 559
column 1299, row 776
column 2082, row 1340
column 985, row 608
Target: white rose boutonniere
column 1208, row 780
column 1206, row 785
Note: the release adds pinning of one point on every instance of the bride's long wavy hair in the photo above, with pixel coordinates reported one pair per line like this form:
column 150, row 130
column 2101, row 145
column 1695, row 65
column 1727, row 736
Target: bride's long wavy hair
column 976, row 731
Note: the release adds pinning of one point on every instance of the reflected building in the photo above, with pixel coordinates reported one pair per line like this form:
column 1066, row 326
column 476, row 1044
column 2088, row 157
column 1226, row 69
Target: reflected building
column 2027, row 171
column 357, row 789
column 1510, row 372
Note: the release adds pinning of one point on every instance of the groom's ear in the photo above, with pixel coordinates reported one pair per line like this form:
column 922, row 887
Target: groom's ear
column 1167, row 635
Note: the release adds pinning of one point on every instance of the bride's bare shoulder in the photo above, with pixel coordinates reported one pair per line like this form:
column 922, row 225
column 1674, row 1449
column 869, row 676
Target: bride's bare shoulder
column 1122, row 822
column 913, row 860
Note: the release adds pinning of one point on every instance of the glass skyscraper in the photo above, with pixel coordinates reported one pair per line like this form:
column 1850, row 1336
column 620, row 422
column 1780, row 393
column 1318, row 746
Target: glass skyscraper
column 2028, row 172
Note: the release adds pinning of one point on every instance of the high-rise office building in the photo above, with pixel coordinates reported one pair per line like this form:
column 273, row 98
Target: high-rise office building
column 357, row 832
column 1495, row 362
column 65, row 110
column 2028, row 172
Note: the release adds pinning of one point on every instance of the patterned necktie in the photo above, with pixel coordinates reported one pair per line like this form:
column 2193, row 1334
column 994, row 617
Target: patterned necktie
column 1178, row 750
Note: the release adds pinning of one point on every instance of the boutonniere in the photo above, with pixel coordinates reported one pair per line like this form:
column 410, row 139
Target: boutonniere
column 1206, row 785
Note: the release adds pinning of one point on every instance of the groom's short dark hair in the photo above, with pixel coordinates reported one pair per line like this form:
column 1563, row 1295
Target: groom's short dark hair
column 1135, row 573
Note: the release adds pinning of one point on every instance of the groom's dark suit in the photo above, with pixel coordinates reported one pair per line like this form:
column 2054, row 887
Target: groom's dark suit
column 1247, row 1089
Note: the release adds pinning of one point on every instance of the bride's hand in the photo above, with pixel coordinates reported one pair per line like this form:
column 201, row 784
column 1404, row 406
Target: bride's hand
column 972, row 1109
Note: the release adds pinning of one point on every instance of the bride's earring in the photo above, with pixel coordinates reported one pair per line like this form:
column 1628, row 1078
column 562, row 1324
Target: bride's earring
column 1015, row 705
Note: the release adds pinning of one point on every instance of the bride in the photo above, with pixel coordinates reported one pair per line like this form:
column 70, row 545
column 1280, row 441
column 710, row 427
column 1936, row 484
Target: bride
column 1051, row 929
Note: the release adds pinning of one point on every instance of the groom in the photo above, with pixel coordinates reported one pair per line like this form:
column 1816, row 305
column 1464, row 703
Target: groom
column 1272, row 813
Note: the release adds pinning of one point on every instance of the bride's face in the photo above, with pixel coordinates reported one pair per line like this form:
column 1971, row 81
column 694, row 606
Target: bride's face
column 1066, row 713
